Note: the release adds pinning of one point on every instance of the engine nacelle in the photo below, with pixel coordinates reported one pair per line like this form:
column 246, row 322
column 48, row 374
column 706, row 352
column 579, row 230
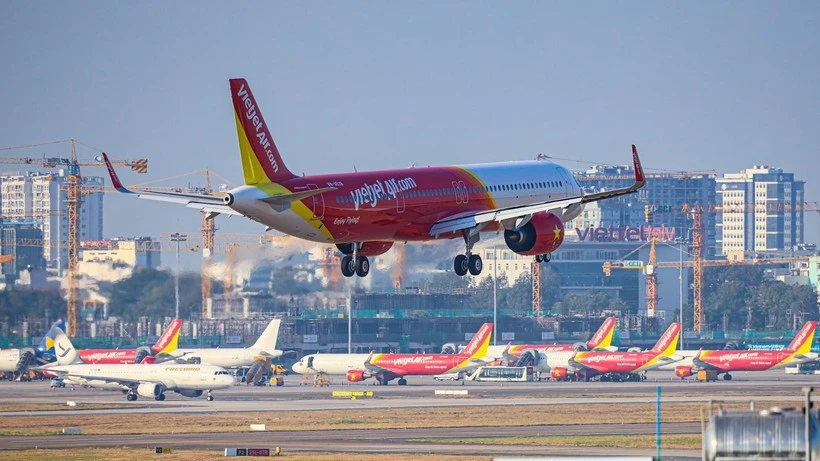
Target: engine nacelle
column 367, row 248
column 580, row 346
column 543, row 234
column 634, row 349
column 559, row 373
column 355, row 376
column 189, row 393
column 683, row 371
column 149, row 389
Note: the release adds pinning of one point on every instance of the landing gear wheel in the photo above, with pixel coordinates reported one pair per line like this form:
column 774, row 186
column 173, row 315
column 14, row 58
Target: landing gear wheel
column 362, row 266
column 546, row 257
column 348, row 266
column 727, row 377
column 160, row 397
column 461, row 265
column 402, row 382
column 539, row 259
column 210, row 398
column 131, row 397
column 474, row 264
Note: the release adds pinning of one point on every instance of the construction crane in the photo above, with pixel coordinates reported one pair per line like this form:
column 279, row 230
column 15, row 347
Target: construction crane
column 208, row 233
column 74, row 192
column 698, row 262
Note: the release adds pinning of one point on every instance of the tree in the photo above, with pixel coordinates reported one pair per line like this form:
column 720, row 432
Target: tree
column 150, row 293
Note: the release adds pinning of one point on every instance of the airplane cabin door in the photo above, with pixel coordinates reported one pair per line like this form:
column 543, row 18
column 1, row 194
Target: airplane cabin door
column 564, row 179
column 318, row 203
column 400, row 202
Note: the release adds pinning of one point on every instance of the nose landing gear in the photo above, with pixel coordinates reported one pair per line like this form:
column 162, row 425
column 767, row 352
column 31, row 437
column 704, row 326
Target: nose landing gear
column 468, row 262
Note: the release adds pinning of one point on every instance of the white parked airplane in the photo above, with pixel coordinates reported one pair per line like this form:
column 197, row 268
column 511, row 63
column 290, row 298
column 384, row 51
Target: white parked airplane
column 264, row 346
column 147, row 380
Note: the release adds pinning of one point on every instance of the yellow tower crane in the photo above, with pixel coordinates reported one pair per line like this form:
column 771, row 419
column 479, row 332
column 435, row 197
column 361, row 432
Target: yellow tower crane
column 74, row 192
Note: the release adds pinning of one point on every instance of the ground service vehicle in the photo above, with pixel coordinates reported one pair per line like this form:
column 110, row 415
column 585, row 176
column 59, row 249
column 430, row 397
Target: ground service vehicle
column 502, row 374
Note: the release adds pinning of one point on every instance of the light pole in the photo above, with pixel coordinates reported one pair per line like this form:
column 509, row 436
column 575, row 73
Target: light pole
column 177, row 237
column 495, row 297
column 680, row 296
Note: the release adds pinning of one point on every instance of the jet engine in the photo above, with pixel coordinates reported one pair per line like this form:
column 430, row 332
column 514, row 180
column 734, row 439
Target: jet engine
column 580, row 346
column 683, row 371
column 543, row 234
column 149, row 389
column 355, row 376
column 189, row 393
column 559, row 373
column 367, row 248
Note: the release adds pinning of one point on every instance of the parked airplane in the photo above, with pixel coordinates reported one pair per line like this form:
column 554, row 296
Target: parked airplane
column 138, row 379
column 602, row 339
column 563, row 365
column 386, row 367
column 264, row 346
column 363, row 213
column 18, row 360
column 726, row 361
column 165, row 344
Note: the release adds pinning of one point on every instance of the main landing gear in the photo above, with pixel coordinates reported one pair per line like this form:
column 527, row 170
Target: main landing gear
column 355, row 264
column 209, row 397
column 468, row 262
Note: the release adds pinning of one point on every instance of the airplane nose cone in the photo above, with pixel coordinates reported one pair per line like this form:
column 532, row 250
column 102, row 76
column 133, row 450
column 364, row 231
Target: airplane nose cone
column 298, row 368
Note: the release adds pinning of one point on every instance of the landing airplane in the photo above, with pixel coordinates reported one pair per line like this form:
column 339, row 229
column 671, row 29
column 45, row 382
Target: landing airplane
column 386, row 367
column 726, row 361
column 18, row 360
column 138, row 379
column 165, row 344
column 363, row 213
column 265, row 346
column 602, row 339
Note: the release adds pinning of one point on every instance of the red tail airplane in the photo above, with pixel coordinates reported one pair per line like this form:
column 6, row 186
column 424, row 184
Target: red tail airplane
column 591, row 363
column 725, row 361
column 364, row 213
column 166, row 343
column 385, row 367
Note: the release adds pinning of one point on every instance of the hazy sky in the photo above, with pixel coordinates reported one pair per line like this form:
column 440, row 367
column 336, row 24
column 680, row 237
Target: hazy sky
column 697, row 86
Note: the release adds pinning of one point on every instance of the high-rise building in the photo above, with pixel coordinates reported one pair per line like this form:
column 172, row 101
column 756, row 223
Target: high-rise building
column 762, row 211
column 40, row 199
column 26, row 257
column 665, row 193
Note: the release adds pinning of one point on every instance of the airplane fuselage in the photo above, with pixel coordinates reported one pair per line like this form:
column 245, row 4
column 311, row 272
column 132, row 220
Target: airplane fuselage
column 401, row 205
column 728, row 360
column 225, row 358
column 172, row 376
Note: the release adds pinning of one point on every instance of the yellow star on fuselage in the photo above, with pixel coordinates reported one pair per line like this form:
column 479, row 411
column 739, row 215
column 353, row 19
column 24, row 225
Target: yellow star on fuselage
column 556, row 233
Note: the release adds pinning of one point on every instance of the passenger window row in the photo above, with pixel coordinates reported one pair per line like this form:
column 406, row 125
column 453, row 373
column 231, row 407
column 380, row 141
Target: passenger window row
column 473, row 190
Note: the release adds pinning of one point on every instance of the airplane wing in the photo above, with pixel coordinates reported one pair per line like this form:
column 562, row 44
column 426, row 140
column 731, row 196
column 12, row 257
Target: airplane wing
column 699, row 364
column 207, row 203
column 471, row 220
column 130, row 382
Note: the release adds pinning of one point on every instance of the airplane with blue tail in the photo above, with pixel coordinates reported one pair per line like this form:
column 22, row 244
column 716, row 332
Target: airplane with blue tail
column 19, row 360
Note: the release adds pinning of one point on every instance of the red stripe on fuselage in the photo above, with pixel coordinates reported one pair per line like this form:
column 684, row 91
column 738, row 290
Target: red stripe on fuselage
column 743, row 360
column 108, row 356
column 393, row 204
column 418, row 364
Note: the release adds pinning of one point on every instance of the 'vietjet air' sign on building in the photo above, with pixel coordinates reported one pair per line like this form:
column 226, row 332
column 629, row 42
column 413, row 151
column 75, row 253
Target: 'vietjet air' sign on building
column 625, row 233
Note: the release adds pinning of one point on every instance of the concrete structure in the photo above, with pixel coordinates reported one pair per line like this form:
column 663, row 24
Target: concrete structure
column 115, row 259
column 666, row 193
column 26, row 257
column 761, row 212
column 41, row 199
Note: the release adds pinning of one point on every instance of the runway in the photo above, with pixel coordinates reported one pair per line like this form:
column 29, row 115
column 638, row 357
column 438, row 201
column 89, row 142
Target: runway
column 419, row 393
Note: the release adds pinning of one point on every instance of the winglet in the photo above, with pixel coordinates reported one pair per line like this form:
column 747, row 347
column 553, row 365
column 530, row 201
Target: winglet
column 115, row 181
column 639, row 176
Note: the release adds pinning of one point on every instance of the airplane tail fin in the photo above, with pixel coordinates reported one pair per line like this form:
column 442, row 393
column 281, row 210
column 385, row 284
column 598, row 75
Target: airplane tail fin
column 169, row 340
column 669, row 340
column 267, row 340
column 261, row 162
column 603, row 337
column 478, row 345
column 46, row 345
column 803, row 340
column 63, row 349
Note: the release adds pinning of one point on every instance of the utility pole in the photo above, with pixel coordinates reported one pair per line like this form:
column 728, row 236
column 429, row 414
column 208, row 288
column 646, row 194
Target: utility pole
column 178, row 238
